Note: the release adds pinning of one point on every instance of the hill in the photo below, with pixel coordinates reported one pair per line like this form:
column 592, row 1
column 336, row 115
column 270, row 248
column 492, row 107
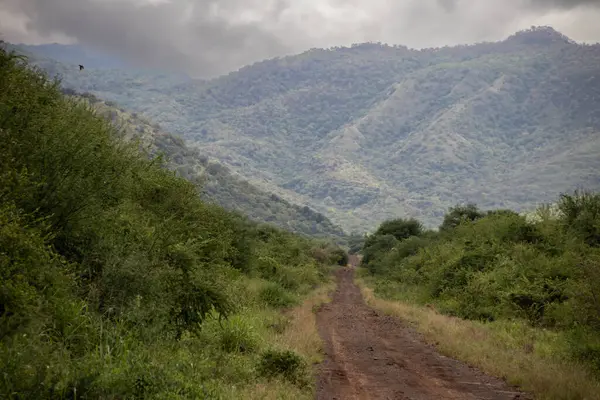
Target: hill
column 118, row 281
column 219, row 185
column 371, row 132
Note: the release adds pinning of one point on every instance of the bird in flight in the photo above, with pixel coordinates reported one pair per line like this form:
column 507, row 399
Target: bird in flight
column 80, row 67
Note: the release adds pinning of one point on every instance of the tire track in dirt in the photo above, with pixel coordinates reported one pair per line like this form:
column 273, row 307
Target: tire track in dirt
column 371, row 356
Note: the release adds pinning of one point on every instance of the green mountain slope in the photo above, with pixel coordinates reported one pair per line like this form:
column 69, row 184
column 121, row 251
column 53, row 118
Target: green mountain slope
column 118, row 282
column 218, row 184
column 372, row 132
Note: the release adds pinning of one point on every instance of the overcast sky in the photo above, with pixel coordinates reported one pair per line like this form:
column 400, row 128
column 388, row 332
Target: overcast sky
column 212, row 37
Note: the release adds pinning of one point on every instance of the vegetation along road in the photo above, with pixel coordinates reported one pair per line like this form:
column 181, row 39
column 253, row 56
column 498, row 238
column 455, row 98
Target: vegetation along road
column 372, row 356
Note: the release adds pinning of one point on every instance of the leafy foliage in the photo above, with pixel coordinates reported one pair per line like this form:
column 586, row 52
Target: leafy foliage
column 400, row 229
column 500, row 266
column 582, row 214
column 458, row 214
column 275, row 295
column 115, row 277
column 285, row 363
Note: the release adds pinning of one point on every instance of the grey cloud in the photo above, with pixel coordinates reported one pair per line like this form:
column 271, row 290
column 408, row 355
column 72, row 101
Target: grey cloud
column 447, row 5
column 212, row 37
column 197, row 36
column 564, row 4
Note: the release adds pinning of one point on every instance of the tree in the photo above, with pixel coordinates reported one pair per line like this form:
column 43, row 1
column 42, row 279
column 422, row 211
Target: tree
column 400, row 228
column 339, row 257
column 581, row 213
column 376, row 246
column 456, row 215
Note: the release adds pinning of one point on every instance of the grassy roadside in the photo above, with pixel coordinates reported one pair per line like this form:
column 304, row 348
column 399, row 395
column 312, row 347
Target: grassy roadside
column 294, row 329
column 522, row 355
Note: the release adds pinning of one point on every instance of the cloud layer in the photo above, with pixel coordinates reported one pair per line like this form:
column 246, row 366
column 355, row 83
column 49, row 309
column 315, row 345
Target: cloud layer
column 212, row 37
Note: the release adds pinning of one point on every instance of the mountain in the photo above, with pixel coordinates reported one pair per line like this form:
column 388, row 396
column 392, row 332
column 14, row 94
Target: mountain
column 371, row 132
column 218, row 183
column 118, row 281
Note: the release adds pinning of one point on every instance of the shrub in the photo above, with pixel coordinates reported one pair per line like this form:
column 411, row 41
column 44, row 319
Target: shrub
column 503, row 266
column 581, row 214
column 407, row 248
column 276, row 296
column 238, row 335
column 375, row 246
column 110, row 263
column 284, row 363
column 339, row 257
column 400, row 228
column 458, row 214
column 584, row 345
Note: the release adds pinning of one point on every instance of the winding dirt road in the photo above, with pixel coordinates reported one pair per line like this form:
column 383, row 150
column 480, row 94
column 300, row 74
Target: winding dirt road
column 372, row 356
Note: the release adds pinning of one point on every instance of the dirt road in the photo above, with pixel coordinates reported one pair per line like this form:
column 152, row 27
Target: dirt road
column 373, row 356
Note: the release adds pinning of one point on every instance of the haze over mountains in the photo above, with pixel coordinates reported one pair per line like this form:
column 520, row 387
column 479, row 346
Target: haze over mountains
column 75, row 54
column 372, row 132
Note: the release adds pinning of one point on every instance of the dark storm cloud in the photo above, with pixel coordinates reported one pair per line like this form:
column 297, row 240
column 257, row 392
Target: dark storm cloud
column 212, row 37
column 200, row 36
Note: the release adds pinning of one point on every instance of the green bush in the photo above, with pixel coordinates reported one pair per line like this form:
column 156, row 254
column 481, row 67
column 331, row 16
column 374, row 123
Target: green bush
column 238, row 335
column 406, row 248
column 400, row 228
column 339, row 257
column 284, row 363
column 276, row 296
column 581, row 213
column 110, row 264
column 375, row 247
column 459, row 214
column 584, row 345
column 497, row 265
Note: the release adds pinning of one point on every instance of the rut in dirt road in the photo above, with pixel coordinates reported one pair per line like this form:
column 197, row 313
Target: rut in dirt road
column 372, row 356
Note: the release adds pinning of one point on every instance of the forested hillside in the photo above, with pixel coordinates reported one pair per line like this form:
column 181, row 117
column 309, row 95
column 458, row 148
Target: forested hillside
column 372, row 132
column 118, row 281
column 217, row 183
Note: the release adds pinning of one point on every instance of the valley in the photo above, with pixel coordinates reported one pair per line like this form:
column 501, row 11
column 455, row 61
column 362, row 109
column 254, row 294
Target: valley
column 216, row 182
column 169, row 237
column 371, row 132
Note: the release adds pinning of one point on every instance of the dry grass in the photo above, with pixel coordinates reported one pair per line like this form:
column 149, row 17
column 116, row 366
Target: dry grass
column 511, row 351
column 273, row 390
column 300, row 335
